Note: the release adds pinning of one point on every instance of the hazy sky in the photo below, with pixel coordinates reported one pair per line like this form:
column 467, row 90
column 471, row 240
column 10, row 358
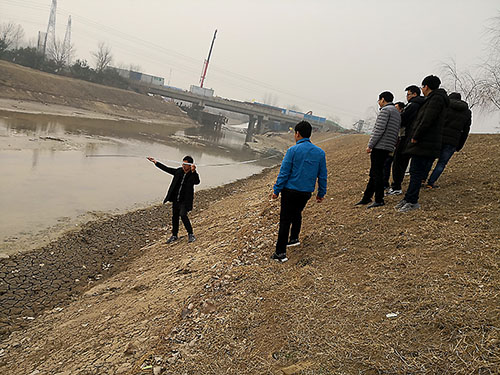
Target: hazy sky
column 331, row 57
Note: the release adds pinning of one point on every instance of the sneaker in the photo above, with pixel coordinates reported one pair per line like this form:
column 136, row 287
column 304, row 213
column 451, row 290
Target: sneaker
column 172, row 239
column 191, row 238
column 431, row 186
column 279, row 257
column 392, row 191
column 291, row 243
column 400, row 204
column 409, row 207
column 363, row 201
column 376, row 204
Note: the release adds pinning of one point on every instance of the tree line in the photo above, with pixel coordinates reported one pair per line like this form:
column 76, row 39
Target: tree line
column 58, row 58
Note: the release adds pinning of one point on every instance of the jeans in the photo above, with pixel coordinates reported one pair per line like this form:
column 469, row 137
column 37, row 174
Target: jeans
column 179, row 209
column 399, row 165
column 447, row 152
column 292, row 204
column 419, row 167
column 376, row 181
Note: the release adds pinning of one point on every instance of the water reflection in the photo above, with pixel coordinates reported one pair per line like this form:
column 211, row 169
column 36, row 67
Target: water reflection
column 47, row 173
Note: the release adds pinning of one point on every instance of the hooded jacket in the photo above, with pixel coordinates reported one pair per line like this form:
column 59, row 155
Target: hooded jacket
column 457, row 124
column 427, row 129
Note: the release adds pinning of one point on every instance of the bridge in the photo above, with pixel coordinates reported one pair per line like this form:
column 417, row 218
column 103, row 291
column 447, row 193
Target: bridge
column 257, row 114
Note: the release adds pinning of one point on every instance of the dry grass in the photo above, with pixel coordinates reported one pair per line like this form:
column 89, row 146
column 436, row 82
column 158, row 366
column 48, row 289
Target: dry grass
column 222, row 307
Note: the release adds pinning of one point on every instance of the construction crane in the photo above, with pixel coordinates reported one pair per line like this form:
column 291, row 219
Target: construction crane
column 207, row 61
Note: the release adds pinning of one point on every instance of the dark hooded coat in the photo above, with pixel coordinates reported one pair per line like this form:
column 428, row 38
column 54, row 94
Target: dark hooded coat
column 457, row 125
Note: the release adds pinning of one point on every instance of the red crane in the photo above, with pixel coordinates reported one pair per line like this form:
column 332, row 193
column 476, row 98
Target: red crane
column 205, row 63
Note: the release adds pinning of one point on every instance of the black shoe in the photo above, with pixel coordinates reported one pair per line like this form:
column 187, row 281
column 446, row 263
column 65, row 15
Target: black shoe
column 172, row 239
column 363, row 201
column 191, row 238
column 279, row 257
column 376, row 204
column 291, row 243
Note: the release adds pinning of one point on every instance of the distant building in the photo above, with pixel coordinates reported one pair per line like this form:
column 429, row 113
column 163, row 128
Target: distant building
column 141, row 77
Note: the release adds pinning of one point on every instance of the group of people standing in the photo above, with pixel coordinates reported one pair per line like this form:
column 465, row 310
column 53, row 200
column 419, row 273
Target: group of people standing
column 429, row 127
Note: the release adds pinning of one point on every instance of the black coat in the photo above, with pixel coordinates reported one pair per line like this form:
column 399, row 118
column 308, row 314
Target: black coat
column 410, row 113
column 427, row 129
column 186, row 195
column 457, row 124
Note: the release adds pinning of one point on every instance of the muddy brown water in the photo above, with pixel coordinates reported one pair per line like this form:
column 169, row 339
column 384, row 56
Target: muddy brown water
column 55, row 170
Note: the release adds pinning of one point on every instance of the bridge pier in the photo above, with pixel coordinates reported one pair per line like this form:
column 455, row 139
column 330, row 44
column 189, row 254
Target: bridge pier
column 259, row 124
column 251, row 124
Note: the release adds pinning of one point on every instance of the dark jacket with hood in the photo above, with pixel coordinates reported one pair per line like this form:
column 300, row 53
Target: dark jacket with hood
column 457, row 124
column 182, row 187
column 427, row 129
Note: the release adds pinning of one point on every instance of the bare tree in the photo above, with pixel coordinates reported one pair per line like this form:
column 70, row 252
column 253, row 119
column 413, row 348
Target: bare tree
column 60, row 54
column 11, row 36
column 103, row 57
column 464, row 82
column 492, row 66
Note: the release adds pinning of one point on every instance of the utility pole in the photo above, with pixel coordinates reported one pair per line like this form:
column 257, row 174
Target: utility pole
column 207, row 61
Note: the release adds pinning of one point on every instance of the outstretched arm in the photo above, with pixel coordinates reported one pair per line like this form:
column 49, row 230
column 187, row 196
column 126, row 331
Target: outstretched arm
column 161, row 166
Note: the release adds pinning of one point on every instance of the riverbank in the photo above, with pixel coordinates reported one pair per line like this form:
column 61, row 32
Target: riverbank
column 25, row 90
column 367, row 291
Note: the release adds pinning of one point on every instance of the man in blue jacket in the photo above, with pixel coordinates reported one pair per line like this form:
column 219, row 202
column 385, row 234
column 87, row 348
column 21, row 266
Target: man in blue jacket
column 302, row 165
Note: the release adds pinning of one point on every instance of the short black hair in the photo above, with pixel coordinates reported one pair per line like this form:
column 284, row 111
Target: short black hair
column 431, row 82
column 414, row 89
column 387, row 96
column 304, row 129
column 188, row 158
column 400, row 104
column 455, row 95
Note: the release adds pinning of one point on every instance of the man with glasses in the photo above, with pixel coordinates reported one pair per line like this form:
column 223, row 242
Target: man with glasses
column 382, row 142
column 425, row 139
column 401, row 160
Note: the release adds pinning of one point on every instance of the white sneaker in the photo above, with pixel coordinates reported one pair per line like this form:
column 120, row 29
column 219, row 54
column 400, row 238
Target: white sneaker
column 392, row 191
column 400, row 204
column 409, row 207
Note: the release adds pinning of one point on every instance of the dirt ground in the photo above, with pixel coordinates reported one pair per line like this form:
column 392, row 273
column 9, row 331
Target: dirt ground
column 31, row 91
column 367, row 291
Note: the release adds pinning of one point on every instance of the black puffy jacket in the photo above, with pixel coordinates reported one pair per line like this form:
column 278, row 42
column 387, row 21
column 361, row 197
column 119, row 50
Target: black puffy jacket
column 427, row 129
column 457, row 124
column 410, row 113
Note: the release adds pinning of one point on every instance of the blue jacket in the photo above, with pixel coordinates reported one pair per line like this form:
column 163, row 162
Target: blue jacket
column 301, row 166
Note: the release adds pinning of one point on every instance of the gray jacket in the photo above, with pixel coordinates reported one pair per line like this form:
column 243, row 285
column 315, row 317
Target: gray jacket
column 385, row 132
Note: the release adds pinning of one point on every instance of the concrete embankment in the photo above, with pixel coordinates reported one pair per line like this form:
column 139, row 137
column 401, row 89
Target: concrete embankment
column 371, row 291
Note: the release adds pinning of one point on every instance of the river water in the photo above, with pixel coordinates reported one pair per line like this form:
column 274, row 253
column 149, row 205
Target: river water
column 56, row 169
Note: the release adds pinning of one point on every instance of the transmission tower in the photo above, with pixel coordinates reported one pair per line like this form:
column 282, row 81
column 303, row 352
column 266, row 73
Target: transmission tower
column 67, row 42
column 51, row 27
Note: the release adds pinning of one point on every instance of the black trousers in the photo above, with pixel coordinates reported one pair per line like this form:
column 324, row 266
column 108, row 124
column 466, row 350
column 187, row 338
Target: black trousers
column 399, row 165
column 387, row 170
column 292, row 204
column 376, row 182
column 179, row 210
